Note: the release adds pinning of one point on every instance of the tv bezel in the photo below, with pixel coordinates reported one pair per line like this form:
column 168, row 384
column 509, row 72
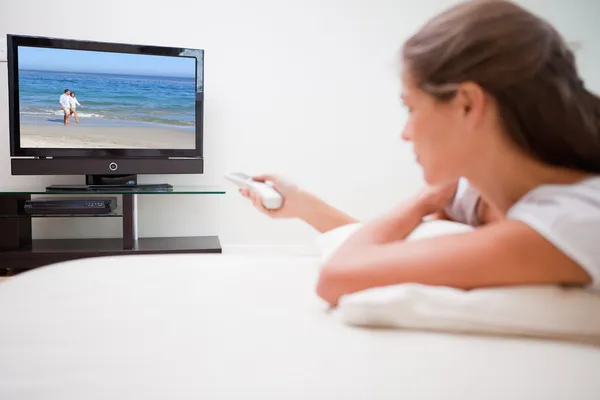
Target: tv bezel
column 15, row 41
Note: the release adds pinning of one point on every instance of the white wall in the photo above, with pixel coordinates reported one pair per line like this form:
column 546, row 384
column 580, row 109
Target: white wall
column 315, row 81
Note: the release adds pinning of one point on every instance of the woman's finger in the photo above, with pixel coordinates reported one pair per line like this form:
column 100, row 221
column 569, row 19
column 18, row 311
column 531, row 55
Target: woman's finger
column 245, row 193
column 257, row 201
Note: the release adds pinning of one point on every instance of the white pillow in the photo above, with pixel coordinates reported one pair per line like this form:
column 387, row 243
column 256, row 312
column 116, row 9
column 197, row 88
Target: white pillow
column 538, row 311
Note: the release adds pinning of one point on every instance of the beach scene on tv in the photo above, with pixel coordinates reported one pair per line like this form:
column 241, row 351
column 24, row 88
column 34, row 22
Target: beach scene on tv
column 89, row 99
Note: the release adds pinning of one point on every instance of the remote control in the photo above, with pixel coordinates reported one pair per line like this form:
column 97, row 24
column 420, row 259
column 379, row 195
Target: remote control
column 271, row 198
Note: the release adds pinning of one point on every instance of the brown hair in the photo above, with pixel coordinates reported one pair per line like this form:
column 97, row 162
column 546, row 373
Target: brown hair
column 525, row 65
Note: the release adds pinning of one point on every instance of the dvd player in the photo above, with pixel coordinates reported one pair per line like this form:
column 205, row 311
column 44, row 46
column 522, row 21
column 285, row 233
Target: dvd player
column 70, row 205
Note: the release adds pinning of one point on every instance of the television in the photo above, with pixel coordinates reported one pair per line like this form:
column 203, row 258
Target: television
column 109, row 111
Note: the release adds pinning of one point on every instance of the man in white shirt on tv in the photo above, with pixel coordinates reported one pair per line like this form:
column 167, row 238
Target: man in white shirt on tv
column 65, row 105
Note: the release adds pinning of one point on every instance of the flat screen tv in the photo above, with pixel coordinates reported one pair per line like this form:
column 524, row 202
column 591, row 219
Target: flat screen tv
column 83, row 100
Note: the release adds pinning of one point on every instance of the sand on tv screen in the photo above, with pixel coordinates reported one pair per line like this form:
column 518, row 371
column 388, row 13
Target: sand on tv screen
column 92, row 99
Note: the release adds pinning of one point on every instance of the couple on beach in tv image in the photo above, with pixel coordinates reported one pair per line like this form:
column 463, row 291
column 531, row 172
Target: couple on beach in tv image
column 68, row 103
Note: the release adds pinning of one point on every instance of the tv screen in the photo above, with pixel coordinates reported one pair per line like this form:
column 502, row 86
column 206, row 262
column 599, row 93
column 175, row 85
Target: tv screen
column 89, row 96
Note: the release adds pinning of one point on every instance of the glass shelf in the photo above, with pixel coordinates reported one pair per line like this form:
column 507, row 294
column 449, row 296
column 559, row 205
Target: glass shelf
column 177, row 189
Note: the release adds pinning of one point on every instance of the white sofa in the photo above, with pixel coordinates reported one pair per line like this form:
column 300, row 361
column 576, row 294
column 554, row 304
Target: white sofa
column 234, row 327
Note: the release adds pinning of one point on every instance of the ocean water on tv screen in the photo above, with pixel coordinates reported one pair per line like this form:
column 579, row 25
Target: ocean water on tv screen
column 109, row 99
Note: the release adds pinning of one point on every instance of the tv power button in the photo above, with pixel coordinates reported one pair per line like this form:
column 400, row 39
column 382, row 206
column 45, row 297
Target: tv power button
column 113, row 166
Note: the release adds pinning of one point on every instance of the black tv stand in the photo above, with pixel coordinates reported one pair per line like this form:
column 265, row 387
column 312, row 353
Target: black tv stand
column 19, row 251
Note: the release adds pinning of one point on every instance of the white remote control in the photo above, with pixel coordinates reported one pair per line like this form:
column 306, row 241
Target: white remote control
column 271, row 198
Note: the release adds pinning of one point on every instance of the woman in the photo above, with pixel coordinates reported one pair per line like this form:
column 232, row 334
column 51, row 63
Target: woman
column 74, row 104
column 494, row 96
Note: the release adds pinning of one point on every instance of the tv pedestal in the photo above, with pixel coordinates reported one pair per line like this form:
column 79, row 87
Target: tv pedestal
column 19, row 252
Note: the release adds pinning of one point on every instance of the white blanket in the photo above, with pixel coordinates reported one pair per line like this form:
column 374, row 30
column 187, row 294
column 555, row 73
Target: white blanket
column 232, row 327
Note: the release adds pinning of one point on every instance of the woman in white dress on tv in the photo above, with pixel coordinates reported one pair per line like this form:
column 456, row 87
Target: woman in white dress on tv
column 74, row 104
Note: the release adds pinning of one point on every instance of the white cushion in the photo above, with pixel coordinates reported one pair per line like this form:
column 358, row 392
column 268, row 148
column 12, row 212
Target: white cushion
column 538, row 311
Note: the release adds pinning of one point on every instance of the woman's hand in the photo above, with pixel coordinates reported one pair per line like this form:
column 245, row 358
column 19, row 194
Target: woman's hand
column 435, row 198
column 294, row 199
column 298, row 203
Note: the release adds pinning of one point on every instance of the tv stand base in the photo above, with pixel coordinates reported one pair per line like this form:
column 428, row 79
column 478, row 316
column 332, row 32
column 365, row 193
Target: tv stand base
column 124, row 180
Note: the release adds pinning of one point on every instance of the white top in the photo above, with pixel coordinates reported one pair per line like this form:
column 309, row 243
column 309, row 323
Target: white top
column 73, row 101
column 463, row 207
column 566, row 215
column 65, row 100
column 569, row 217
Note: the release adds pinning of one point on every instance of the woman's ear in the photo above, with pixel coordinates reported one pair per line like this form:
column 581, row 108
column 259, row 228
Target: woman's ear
column 470, row 98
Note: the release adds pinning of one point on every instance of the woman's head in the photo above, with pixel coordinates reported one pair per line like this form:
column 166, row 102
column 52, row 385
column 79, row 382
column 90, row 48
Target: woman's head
column 487, row 75
column 72, row 94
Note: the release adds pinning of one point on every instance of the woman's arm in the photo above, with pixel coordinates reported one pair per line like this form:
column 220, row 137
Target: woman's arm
column 303, row 205
column 503, row 253
column 300, row 204
column 322, row 216
column 401, row 221
column 393, row 226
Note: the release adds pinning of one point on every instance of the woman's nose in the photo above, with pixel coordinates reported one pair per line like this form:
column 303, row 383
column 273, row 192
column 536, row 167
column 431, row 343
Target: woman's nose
column 405, row 135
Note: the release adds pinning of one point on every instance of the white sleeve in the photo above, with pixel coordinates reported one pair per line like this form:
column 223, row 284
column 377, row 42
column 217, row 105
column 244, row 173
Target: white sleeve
column 569, row 218
column 463, row 207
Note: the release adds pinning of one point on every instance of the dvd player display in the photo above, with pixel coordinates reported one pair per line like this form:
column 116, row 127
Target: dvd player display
column 70, row 205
